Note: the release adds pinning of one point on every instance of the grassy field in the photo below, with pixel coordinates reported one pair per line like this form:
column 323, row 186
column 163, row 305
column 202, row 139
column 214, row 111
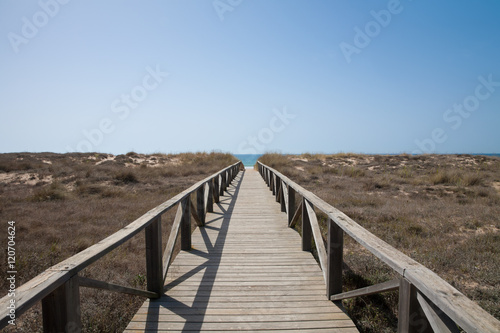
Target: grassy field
column 63, row 204
column 441, row 210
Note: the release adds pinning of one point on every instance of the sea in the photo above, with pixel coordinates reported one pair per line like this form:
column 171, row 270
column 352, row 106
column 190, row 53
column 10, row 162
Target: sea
column 249, row 160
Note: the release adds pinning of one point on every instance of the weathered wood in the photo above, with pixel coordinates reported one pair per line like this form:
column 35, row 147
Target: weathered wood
column 318, row 238
column 282, row 200
column 61, row 308
column 154, row 269
column 290, row 204
column 296, row 216
column 172, row 237
column 210, row 196
column 186, row 224
column 306, row 229
column 335, row 248
column 467, row 314
column 411, row 317
column 285, row 196
column 96, row 284
column 246, row 272
column 439, row 321
column 45, row 283
column 370, row 290
column 200, row 205
column 216, row 189
column 277, row 189
column 222, row 184
column 194, row 213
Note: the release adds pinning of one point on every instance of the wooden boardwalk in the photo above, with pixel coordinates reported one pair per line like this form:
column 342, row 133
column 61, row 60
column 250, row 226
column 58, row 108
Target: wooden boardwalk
column 246, row 272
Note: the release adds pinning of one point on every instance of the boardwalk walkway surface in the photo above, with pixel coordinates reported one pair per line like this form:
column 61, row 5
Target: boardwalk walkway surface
column 246, row 272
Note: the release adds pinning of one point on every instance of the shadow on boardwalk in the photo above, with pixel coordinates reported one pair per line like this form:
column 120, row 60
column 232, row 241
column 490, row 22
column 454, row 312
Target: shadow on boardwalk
column 211, row 266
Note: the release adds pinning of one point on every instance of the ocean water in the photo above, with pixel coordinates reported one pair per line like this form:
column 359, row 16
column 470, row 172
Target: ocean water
column 248, row 160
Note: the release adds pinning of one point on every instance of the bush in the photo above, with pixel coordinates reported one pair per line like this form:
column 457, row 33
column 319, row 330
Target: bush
column 126, row 177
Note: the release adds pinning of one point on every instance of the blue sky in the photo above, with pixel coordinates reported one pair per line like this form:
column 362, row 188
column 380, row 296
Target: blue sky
column 250, row 76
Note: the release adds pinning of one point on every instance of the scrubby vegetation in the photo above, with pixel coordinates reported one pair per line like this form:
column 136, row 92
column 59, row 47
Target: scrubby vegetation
column 63, row 204
column 441, row 210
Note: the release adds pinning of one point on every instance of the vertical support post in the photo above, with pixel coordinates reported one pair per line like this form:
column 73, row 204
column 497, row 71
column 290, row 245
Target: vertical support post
column 210, row 203
column 216, row 189
column 282, row 197
column 186, row 224
column 306, row 228
column 222, row 183
column 61, row 308
column 277, row 186
column 411, row 317
column 291, row 204
column 200, row 204
column 154, row 269
column 271, row 182
column 335, row 258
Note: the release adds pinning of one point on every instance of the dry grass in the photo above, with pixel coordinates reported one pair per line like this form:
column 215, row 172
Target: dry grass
column 441, row 210
column 63, row 204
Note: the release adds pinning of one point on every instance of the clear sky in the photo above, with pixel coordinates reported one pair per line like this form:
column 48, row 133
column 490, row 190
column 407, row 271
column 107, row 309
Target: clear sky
column 249, row 76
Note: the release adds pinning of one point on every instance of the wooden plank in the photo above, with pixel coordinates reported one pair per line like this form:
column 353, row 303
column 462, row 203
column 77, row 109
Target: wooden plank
column 318, row 238
column 335, row 259
column 246, row 272
column 61, row 308
column 154, row 269
column 194, row 213
column 194, row 326
column 306, row 229
column 463, row 311
column 96, row 284
column 291, row 205
column 200, row 205
column 296, row 216
column 370, row 290
column 172, row 237
column 437, row 319
column 216, row 189
column 210, row 196
column 186, row 224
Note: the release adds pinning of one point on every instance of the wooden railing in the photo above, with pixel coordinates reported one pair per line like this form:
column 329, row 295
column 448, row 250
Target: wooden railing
column 427, row 303
column 58, row 286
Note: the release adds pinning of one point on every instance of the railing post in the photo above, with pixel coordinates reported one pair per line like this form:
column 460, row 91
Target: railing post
column 282, row 197
column 154, row 269
column 306, row 228
column 335, row 254
column 200, row 204
column 216, row 189
column 186, row 224
column 210, row 203
column 61, row 308
column 278, row 185
column 291, row 204
column 222, row 183
column 411, row 318
column 271, row 182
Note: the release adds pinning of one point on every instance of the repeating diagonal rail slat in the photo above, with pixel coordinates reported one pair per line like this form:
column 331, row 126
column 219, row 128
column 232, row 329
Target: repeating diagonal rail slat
column 246, row 272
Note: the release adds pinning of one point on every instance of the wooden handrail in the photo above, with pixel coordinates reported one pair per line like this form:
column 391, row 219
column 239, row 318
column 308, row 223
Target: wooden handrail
column 416, row 279
column 58, row 286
